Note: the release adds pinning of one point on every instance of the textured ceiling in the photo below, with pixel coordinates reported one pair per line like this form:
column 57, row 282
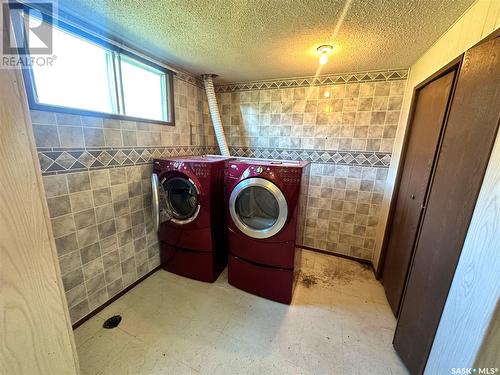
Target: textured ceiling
column 260, row 39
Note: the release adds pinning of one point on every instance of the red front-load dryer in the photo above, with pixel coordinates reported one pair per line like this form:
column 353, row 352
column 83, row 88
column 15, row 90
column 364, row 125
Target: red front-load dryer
column 192, row 237
column 266, row 202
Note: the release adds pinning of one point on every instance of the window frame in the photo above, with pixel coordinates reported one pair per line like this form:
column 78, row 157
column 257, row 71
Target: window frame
column 116, row 51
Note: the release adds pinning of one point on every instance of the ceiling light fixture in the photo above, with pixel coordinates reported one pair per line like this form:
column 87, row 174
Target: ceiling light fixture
column 324, row 51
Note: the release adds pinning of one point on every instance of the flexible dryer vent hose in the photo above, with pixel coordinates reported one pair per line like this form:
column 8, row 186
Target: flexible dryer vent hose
column 215, row 115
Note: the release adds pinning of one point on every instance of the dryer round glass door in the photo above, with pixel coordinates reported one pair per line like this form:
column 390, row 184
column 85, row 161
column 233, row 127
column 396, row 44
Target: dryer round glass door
column 182, row 199
column 258, row 208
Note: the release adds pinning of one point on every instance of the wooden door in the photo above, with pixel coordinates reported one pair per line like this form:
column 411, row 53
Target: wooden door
column 430, row 108
column 467, row 143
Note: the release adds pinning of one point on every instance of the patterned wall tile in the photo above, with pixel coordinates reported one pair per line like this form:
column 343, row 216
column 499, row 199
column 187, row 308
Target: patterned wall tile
column 345, row 125
column 96, row 171
column 192, row 127
column 94, row 263
column 96, row 174
column 343, row 208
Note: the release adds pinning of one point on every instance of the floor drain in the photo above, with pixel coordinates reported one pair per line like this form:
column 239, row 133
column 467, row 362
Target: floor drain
column 112, row 322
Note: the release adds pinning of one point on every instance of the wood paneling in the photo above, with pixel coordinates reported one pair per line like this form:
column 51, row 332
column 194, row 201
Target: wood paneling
column 489, row 355
column 475, row 291
column 468, row 140
column 35, row 331
column 425, row 131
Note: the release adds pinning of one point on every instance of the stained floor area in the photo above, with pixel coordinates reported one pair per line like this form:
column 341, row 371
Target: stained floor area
column 339, row 323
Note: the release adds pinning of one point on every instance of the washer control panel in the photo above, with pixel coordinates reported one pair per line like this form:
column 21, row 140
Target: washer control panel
column 198, row 168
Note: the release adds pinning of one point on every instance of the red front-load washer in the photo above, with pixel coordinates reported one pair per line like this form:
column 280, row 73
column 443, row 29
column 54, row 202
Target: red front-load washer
column 192, row 238
column 266, row 202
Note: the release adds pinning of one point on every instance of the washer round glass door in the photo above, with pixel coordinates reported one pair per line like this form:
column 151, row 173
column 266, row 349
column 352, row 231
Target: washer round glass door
column 258, row 208
column 182, row 199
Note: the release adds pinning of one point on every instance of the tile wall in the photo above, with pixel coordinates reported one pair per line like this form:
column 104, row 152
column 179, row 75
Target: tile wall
column 96, row 174
column 96, row 171
column 345, row 124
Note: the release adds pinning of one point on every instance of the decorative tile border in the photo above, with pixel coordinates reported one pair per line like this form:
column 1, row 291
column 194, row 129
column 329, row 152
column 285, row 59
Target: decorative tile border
column 60, row 160
column 352, row 158
column 330, row 79
column 322, row 80
column 72, row 160
column 186, row 77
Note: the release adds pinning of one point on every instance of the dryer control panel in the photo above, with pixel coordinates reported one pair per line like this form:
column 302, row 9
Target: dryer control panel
column 290, row 175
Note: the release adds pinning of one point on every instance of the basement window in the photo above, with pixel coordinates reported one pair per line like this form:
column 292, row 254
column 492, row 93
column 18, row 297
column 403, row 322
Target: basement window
column 87, row 75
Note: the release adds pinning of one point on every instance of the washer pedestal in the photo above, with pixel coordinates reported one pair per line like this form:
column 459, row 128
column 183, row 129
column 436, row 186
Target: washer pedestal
column 197, row 265
column 276, row 284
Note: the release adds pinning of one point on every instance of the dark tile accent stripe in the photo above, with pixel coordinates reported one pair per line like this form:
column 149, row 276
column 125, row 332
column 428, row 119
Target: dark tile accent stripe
column 352, row 158
column 330, row 79
column 60, row 160
column 186, row 77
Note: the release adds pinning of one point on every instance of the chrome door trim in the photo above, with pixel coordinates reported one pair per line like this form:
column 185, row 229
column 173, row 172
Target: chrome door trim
column 155, row 202
column 278, row 195
column 188, row 220
column 194, row 184
column 198, row 208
